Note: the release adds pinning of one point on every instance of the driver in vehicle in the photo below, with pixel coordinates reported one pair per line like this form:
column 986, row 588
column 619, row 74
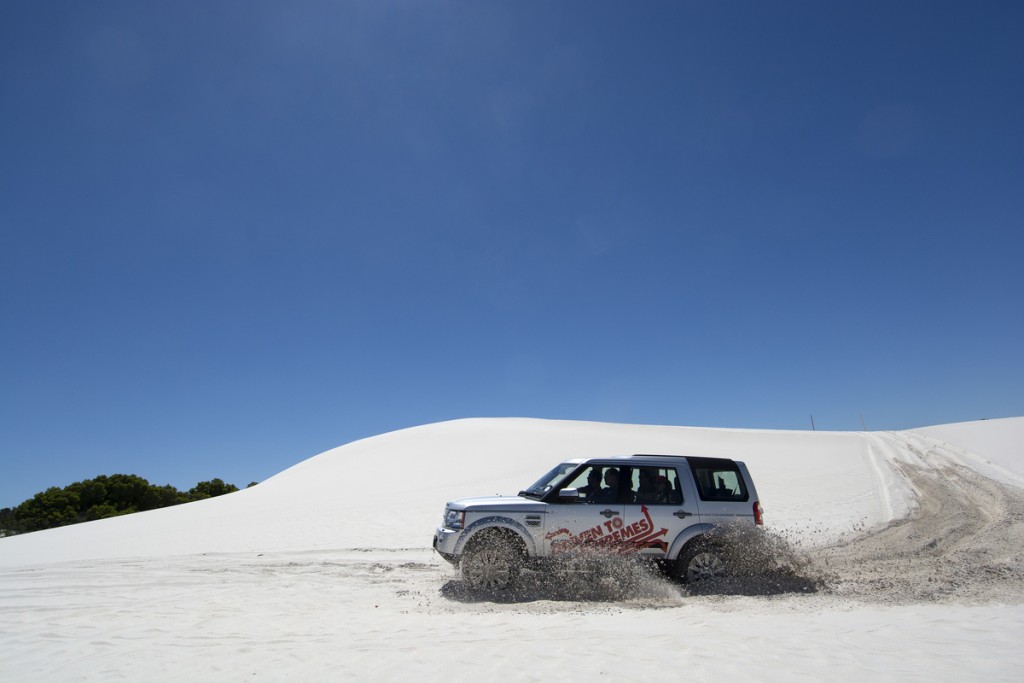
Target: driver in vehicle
column 610, row 493
column 592, row 491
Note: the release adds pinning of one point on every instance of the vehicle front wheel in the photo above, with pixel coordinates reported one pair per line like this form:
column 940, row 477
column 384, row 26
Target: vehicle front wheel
column 491, row 564
column 700, row 561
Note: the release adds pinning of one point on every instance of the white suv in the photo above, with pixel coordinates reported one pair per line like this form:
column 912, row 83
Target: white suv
column 665, row 507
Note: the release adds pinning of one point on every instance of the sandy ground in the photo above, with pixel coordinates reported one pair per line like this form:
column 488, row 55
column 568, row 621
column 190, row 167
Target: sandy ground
column 359, row 615
column 936, row 594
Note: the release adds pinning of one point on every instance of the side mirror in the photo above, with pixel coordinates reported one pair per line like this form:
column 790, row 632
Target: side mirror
column 568, row 495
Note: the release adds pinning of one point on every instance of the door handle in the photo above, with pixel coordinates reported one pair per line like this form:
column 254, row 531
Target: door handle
column 681, row 514
column 609, row 513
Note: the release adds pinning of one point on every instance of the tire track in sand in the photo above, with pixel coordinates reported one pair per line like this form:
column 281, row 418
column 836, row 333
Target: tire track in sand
column 963, row 542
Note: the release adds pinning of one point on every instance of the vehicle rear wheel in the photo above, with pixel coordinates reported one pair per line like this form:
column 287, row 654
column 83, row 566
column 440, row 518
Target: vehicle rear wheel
column 700, row 561
column 491, row 563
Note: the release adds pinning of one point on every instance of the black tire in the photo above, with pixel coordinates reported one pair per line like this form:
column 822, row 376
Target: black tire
column 700, row 561
column 492, row 562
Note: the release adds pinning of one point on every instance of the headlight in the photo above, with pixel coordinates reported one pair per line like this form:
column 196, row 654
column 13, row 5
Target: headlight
column 453, row 519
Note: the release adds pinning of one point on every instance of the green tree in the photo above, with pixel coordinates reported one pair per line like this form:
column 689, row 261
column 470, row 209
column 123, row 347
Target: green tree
column 210, row 489
column 102, row 511
column 7, row 522
column 161, row 497
column 99, row 498
column 51, row 508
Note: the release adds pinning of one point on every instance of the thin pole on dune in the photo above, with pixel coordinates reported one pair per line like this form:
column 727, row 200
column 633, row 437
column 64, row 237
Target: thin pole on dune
column 813, row 429
column 862, row 423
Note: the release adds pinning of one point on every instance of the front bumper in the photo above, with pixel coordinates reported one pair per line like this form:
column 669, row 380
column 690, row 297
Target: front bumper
column 445, row 541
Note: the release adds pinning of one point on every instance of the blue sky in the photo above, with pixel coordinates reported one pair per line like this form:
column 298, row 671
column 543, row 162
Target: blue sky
column 236, row 234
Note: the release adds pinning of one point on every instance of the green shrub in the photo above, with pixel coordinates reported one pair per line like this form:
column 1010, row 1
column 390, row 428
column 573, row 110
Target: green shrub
column 99, row 498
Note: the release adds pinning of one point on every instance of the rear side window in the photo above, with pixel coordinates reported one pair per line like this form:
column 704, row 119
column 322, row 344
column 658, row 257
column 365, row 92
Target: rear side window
column 655, row 486
column 718, row 480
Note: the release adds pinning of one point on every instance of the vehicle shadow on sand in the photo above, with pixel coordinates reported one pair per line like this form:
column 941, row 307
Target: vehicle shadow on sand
column 629, row 583
column 768, row 584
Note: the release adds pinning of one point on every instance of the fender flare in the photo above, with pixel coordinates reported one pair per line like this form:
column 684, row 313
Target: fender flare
column 496, row 522
column 686, row 536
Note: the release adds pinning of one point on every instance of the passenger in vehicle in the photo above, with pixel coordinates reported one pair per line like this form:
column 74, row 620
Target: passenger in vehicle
column 660, row 492
column 644, row 489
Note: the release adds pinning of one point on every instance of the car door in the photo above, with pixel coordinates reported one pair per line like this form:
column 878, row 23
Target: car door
column 587, row 519
column 664, row 504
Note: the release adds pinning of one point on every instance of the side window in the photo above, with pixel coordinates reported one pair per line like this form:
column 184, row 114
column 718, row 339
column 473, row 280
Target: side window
column 718, row 480
column 596, row 484
column 656, row 486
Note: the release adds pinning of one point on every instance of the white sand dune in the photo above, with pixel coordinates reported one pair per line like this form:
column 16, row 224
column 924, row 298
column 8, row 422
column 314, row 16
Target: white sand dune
column 324, row 572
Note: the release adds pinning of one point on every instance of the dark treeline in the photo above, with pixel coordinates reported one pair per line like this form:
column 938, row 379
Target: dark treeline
column 104, row 496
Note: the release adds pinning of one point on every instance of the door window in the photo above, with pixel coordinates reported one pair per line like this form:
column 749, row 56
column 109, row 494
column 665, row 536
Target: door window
column 656, row 486
column 597, row 484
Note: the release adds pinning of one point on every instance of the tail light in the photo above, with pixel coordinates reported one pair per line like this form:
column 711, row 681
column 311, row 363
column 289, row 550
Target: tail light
column 758, row 513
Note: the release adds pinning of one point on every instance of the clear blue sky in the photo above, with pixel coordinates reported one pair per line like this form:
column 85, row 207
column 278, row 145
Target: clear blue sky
column 236, row 234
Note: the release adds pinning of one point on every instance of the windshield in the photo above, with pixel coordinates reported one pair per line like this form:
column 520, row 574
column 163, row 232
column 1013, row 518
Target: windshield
column 548, row 481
